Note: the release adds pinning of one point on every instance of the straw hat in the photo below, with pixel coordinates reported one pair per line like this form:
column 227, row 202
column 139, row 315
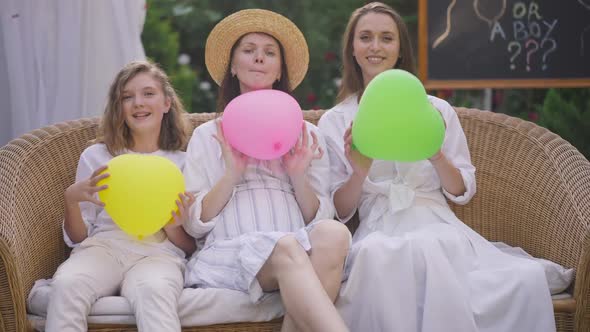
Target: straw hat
column 227, row 32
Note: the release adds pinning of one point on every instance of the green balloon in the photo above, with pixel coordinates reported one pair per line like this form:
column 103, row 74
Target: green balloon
column 395, row 120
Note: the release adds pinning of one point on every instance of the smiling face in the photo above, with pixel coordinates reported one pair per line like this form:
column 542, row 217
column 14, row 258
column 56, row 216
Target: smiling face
column 256, row 62
column 376, row 44
column 144, row 105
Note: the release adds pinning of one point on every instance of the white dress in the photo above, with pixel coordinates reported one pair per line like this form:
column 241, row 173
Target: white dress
column 261, row 210
column 414, row 266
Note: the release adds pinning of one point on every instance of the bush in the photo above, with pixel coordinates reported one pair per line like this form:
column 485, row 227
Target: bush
column 566, row 112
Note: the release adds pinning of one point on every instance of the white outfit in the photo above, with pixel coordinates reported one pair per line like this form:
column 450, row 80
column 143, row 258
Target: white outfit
column 261, row 210
column 414, row 266
column 149, row 273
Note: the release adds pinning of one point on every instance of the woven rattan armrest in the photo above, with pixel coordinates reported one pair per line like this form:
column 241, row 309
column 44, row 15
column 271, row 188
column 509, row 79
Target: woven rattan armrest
column 533, row 192
column 35, row 169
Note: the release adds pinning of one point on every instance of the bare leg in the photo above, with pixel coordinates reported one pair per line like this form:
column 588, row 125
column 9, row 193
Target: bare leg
column 306, row 302
column 330, row 241
column 288, row 324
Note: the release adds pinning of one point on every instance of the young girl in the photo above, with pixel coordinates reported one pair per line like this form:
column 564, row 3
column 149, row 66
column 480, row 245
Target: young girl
column 143, row 115
column 264, row 220
column 414, row 266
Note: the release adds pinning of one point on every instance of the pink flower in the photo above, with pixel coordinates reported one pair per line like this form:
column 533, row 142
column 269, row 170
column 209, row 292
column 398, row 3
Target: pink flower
column 311, row 98
column 329, row 56
column 498, row 97
column 445, row 93
column 533, row 116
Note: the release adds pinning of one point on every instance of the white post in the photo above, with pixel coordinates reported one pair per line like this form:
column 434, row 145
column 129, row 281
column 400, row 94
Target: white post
column 487, row 99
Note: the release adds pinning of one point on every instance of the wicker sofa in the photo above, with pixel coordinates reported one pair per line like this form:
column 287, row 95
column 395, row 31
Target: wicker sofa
column 533, row 192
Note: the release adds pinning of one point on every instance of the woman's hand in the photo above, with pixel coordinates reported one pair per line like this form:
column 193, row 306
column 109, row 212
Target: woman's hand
column 360, row 163
column 298, row 159
column 235, row 161
column 83, row 191
column 438, row 155
column 184, row 204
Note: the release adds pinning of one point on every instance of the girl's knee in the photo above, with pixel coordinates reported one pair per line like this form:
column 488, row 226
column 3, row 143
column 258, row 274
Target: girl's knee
column 152, row 288
column 69, row 280
column 73, row 286
column 331, row 234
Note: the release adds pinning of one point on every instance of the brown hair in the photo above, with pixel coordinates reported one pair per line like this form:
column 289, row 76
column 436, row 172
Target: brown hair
column 230, row 86
column 113, row 130
column 352, row 77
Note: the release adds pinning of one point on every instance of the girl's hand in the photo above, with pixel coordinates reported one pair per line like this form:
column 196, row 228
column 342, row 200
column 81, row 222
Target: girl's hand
column 360, row 163
column 184, row 203
column 298, row 159
column 83, row 191
column 235, row 161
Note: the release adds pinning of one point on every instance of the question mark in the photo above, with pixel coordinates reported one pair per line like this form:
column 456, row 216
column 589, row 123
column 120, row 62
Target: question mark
column 551, row 50
column 583, row 3
column 530, row 52
column 512, row 45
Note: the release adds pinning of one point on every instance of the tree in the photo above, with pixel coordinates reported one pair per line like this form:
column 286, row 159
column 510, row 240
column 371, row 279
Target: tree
column 566, row 112
column 161, row 44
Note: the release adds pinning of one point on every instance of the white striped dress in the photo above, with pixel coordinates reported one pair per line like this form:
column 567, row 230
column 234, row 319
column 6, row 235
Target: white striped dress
column 261, row 210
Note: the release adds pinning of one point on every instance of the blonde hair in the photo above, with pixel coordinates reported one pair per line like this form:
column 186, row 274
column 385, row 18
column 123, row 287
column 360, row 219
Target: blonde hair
column 113, row 130
column 352, row 77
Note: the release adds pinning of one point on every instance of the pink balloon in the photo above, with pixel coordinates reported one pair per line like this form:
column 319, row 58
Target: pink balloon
column 262, row 124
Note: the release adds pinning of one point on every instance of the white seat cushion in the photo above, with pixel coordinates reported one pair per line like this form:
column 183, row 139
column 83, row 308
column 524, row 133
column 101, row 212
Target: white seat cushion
column 197, row 307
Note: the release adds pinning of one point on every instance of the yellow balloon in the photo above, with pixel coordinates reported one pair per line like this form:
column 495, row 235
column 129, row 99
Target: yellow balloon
column 142, row 192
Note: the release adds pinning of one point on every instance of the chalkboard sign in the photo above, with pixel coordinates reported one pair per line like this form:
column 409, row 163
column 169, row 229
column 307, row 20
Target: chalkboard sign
column 504, row 43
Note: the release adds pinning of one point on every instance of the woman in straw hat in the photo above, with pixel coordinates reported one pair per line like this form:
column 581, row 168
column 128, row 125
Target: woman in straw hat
column 428, row 271
column 265, row 222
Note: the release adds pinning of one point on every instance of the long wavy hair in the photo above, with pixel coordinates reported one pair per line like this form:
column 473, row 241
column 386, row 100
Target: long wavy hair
column 113, row 130
column 230, row 85
column 352, row 76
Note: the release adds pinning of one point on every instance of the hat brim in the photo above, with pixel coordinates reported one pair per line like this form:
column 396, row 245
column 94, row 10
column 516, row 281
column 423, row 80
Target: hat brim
column 227, row 32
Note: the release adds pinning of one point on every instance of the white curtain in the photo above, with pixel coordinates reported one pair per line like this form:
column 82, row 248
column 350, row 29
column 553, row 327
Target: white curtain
column 58, row 57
